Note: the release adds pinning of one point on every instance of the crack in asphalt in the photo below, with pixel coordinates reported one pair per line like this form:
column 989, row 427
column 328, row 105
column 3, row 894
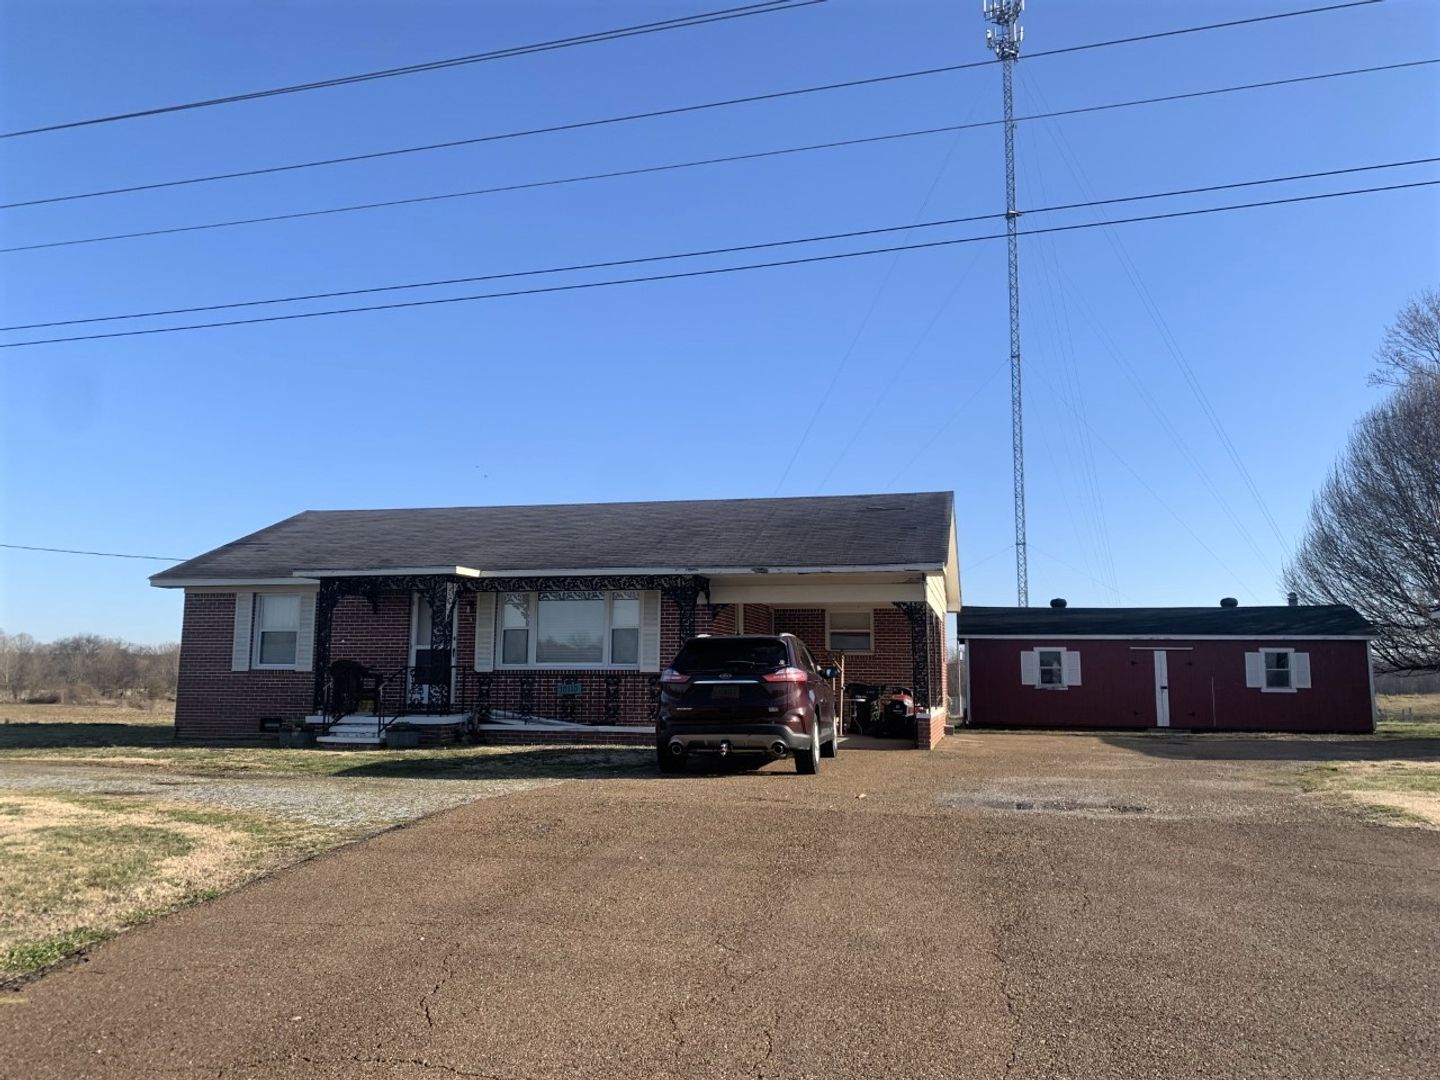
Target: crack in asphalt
column 447, row 972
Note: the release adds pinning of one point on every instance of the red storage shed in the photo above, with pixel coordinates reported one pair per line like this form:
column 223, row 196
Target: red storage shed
column 1226, row 668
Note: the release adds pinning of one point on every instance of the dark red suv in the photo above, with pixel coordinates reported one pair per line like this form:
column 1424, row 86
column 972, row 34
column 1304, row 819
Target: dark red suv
column 746, row 694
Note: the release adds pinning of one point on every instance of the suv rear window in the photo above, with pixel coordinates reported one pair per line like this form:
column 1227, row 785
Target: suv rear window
column 752, row 654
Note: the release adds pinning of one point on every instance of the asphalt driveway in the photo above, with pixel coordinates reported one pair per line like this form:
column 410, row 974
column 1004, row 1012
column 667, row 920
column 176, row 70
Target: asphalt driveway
column 1009, row 905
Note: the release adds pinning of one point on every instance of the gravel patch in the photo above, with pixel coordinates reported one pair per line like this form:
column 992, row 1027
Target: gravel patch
column 319, row 800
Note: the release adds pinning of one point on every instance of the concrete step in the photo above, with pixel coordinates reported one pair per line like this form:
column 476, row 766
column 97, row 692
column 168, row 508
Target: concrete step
column 349, row 740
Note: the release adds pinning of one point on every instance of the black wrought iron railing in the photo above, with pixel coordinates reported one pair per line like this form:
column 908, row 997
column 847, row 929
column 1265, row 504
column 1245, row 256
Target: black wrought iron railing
column 430, row 689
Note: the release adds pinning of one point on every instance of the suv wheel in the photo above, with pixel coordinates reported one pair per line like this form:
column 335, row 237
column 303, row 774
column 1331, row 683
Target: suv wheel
column 831, row 747
column 807, row 763
column 668, row 762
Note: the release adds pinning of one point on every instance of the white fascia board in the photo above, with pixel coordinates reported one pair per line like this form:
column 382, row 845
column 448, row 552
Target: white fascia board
column 1166, row 637
column 229, row 583
column 830, row 595
column 447, row 571
column 906, row 568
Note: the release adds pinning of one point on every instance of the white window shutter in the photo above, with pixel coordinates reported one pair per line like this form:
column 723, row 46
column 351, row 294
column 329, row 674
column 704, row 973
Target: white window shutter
column 305, row 639
column 240, row 644
column 1300, row 670
column 650, row 631
column 1070, row 667
column 1255, row 670
column 484, row 631
column 1030, row 668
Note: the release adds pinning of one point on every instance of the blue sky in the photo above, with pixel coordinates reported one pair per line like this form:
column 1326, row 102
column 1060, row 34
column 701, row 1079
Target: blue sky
column 172, row 444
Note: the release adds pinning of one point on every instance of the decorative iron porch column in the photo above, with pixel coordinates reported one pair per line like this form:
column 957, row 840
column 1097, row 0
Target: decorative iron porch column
column 684, row 594
column 917, row 613
column 325, row 601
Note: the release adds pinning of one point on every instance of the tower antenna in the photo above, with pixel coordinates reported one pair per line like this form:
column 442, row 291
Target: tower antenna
column 1004, row 41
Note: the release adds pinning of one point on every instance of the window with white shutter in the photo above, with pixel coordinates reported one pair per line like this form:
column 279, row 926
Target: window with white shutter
column 485, row 631
column 240, row 642
column 1277, row 671
column 1050, row 668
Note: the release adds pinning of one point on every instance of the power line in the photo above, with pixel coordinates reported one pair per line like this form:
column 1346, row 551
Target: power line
column 713, row 271
column 678, row 23
column 678, row 110
column 585, row 178
column 731, row 250
column 105, row 554
column 631, row 31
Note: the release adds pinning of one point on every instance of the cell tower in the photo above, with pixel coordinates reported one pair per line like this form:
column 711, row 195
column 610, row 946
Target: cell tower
column 1004, row 41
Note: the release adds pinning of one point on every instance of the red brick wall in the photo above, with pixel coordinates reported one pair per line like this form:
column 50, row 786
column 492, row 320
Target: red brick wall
column 1206, row 681
column 213, row 702
column 890, row 663
column 759, row 619
column 379, row 640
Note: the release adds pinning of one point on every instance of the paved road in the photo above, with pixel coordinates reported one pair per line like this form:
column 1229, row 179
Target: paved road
column 1010, row 905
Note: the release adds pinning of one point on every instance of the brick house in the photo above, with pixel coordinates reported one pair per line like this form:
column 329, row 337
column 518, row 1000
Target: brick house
column 527, row 622
column 1225, row 668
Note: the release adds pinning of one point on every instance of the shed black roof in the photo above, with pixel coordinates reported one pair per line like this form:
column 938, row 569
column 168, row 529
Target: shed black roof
column 829, row 531
column 1335, row 620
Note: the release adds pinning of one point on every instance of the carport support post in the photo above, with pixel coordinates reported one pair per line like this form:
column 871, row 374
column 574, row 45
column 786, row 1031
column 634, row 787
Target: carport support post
column 918, row 614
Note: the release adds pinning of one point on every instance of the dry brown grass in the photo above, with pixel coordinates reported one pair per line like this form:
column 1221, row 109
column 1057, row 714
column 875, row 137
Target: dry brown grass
column 75, row 869
column 110, row 712
column 1400, row 792
column 1414, row 715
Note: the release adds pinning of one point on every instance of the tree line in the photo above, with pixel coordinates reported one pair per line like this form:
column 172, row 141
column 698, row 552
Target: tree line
column 1373, row 537
column 85, row 667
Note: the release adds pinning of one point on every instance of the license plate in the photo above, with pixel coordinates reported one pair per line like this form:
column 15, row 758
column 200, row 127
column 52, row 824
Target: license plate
column 724, row 693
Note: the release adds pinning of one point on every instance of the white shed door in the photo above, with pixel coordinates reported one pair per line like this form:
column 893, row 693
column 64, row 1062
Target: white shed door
column 1162, row 690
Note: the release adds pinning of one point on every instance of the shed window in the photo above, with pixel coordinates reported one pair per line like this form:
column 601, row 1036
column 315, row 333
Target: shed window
column 1277, row 669
column 1052, row 667
column 850, row 631
column 277, row 629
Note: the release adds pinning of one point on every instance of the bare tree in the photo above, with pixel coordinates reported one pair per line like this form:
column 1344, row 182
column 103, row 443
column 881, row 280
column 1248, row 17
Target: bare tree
column 1410, row 348
column 1373, row 540
column 86, row 666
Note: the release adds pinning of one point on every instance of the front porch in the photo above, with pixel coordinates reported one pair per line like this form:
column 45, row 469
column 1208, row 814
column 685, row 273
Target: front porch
column 451, row 653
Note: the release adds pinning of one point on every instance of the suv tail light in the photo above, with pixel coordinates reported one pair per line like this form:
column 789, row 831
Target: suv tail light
column 670, row 675
column 787, row 674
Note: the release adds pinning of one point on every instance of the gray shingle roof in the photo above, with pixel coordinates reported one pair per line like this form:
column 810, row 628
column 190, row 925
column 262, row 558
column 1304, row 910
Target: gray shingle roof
column 1335, row 620
column 842, row 530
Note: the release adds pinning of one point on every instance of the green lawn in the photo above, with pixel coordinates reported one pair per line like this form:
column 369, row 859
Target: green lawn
column 1409, row 716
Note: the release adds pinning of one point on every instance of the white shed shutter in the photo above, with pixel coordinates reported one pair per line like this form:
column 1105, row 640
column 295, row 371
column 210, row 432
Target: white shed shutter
column 1255, row 670
column 305, row 639
column 1071, row 667
column 650, row 631
column 484, row 631
column 240, row 644
column 1030, row 668
column 1300, row 670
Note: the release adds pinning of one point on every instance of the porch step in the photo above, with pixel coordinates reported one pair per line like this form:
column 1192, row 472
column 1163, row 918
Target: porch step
column 349, row 739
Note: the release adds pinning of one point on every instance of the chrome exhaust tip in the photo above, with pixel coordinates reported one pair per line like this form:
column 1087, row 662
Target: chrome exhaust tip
column 779, row 749
column 677, row 748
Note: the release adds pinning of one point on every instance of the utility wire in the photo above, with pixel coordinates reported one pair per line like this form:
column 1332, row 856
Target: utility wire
column 678, row 23
column 713, row 271
column 678, row 110
column 645, row 28
column 735, row 249
column 105, row 554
